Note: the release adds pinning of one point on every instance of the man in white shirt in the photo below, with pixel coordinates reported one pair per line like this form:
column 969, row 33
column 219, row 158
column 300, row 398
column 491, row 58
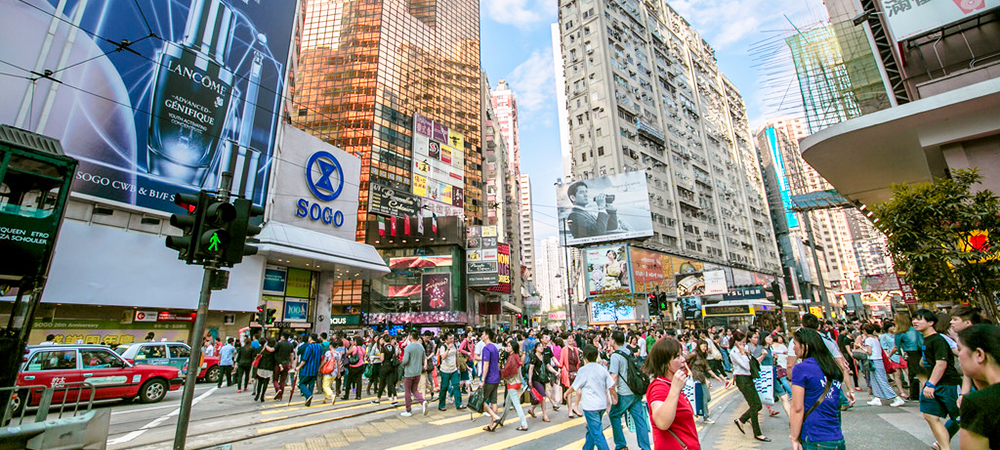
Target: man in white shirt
column 594, row 384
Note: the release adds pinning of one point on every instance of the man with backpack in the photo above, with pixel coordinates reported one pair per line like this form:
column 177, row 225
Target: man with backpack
column 631, row 384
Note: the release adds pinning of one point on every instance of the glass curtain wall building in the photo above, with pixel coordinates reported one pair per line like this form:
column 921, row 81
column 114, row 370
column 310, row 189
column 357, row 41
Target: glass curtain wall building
column 366, row 67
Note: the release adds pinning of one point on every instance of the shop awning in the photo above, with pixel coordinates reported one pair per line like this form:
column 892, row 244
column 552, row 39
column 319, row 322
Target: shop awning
column 348, row 259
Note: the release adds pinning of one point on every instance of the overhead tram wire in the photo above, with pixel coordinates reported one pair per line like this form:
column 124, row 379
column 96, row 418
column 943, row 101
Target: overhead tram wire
column 279, row 96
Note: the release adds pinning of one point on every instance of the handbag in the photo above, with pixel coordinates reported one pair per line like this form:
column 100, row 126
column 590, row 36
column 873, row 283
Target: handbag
column 328, row 367
column 754, row 368
column 256, row 360
column 780, row 372
column 368, row 371
column 353, row 359
column 476, row 401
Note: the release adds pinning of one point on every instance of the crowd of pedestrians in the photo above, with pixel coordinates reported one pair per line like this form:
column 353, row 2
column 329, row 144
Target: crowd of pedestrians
column 948, row 363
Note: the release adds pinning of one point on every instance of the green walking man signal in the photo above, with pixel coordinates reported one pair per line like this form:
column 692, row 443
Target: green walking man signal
column 214, row 242
column 214, row 231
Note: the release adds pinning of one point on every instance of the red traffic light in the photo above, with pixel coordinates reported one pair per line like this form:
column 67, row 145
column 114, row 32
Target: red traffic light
column 187, row 201
column 260, row 309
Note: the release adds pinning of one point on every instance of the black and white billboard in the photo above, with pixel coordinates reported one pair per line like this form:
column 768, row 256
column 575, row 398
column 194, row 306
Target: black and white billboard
column 611, row 208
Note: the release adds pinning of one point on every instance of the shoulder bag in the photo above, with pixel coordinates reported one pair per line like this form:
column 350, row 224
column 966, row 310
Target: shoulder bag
column 818, row 401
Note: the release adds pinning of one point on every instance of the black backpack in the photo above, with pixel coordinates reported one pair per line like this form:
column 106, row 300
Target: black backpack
column 637, row 380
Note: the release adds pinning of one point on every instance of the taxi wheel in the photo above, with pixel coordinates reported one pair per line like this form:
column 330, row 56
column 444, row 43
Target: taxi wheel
column 153, row 391
column 213, row 374
column 17, row 403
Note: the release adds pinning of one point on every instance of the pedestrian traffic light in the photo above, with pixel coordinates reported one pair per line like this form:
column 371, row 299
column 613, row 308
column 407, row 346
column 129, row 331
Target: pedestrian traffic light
column 661, row 302
column 270, row 316
column 258, row 317
column 189, row 224
column 776, row 291
column 651, row 302
column 242, row 231
column 213, row 235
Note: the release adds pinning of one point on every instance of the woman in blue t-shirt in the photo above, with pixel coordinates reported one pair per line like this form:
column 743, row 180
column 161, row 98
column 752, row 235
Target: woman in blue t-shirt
column 816, row 383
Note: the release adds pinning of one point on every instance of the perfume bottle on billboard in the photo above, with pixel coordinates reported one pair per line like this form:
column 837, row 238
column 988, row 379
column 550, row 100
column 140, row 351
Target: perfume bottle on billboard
column 191, row 95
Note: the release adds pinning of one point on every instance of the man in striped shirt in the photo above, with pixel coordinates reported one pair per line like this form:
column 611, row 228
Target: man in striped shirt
column 312, row 356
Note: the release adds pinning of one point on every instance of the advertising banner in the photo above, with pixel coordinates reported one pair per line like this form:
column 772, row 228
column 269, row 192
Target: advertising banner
column 391, row 202
column 651, row 271
column 162, row 115
column 274, row 280
column 745, row 293
column 107, row 332
column 438, row 162
column 296, row 310
column 436, row 292
column 611, row 208
column 690, row 284
column 715, row 282
column 557, row 315
column 607, row 268
column 482, row 267
column 503, row 270
column 910, row 18
column 605, row 312
column 691, row 307
column 299, row 283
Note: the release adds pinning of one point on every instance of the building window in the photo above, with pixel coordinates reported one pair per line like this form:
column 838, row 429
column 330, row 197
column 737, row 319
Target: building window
column 584, row 156
column 600, row 150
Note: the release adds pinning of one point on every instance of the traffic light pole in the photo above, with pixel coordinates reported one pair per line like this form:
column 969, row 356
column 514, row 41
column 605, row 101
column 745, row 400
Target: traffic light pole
column 180, row 436
column 194, row 364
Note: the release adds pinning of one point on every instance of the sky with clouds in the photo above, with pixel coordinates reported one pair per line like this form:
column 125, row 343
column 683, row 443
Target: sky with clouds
column 517, row 47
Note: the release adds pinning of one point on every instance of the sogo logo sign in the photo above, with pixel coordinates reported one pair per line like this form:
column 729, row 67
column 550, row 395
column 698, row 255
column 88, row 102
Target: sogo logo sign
column 325, row 178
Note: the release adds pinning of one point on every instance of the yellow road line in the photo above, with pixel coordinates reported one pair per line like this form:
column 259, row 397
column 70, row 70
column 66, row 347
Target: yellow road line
column 440, row 439
column 451, row 420
column 577, row 445
column 528, row 437
column 719, row 398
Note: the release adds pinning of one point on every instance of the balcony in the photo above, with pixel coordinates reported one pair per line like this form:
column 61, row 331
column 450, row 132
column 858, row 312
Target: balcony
column 650, row 131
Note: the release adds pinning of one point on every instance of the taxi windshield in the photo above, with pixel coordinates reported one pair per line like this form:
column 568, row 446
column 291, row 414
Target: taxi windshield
column 121, row 349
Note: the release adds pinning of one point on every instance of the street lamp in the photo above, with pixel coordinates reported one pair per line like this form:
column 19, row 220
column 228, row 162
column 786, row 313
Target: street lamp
column 569, row 292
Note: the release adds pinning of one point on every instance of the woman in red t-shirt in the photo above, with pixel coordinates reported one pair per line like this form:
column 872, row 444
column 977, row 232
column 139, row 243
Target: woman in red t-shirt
column 670, row 411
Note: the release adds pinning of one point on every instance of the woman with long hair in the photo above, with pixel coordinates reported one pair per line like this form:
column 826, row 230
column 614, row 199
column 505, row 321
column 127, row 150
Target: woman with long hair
column 265, row 368
column 697, row 361
column 782, row 388
column 979, row 355
column 669, row 409
column 881, row 389
column 538, row 376
column 511, row 376
column 816, row 383
column 740, row 358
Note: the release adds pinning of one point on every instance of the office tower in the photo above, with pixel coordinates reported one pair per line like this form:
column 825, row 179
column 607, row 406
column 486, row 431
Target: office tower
column 505, row 107
column 787, row 175
column 365, row 69
column 527, row 228
column 644, row 93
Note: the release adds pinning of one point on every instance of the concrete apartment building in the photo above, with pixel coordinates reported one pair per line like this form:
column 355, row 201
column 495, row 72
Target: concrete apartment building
column 644, row 93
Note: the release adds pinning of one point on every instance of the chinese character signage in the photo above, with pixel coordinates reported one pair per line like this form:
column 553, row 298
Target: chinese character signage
column 438, row 163
column 911, row 18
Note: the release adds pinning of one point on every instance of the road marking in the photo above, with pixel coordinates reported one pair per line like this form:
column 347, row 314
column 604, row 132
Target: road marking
column 440, row 439
column 286, row 408
column 156, row 422
column 317, row 413
column 450, row 420
column 151, row 408
column 264, row 431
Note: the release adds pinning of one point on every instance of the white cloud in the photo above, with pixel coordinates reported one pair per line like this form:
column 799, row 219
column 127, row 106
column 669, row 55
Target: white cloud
column 726, row 22
column 520, row 13
column 533, row 83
